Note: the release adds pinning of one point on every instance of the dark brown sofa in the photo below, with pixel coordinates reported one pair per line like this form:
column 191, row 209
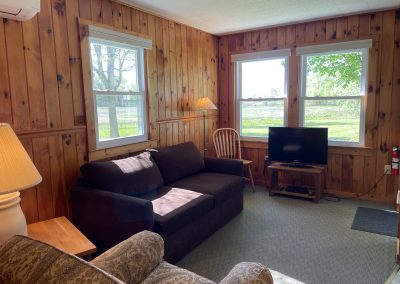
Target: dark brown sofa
column 172, row 191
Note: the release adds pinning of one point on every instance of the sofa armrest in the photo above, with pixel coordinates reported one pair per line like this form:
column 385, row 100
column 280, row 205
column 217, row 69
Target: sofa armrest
column 108, row 218
column 133, row 259
column 248, row 272
column 224, row 166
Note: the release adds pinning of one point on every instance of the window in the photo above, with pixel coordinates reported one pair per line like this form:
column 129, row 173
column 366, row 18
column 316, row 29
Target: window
column 118, row 87
column 261, row 91
column 333, row 90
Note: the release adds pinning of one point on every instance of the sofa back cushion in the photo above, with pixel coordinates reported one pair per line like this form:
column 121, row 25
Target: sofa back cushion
column 178, row 161
column 132, row 176
column 24, row 260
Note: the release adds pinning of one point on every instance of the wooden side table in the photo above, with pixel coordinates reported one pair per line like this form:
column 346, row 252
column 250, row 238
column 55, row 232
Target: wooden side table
column 317, row 172
column 62, row 234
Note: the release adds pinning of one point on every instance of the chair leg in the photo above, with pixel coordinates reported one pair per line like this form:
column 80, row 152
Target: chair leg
column 251, row 179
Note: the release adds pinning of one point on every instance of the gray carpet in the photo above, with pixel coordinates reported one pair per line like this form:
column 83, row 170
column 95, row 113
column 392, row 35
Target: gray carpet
column 377, row 221
column 313, row 243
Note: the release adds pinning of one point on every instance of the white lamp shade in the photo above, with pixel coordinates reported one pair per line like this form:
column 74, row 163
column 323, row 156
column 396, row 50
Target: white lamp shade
column 17, row 171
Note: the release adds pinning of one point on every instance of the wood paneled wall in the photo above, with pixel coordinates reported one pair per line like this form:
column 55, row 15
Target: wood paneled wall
column 350, row 170
column 41, row 93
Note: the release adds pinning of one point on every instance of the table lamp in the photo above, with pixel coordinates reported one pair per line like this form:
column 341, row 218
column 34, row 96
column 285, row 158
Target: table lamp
column 204, row 104
column 17, row 172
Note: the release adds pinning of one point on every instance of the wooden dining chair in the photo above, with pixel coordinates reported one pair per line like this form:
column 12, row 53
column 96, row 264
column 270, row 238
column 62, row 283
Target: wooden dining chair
column 227, row 145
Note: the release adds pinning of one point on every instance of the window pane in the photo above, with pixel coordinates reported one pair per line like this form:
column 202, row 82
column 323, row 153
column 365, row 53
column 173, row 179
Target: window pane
column 342, row 117
column 119, row 116
column 258, row 116
column 263, row 79
column 334, row 75
column 114, row 67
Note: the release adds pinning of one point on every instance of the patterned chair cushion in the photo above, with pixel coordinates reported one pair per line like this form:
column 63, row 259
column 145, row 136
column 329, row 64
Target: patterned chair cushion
column 170, row 274
column 249, row 273
column 24, row 260
column 133, row 259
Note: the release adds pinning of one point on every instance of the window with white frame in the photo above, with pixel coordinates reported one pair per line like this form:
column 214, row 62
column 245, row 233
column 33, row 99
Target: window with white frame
column 333, row 82
column 261, row 94
column 118, row 85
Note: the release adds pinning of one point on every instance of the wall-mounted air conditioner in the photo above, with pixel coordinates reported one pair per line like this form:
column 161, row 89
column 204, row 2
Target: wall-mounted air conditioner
column 21, row 10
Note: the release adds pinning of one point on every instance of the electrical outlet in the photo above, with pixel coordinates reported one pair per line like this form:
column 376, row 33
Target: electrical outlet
column 388, row 169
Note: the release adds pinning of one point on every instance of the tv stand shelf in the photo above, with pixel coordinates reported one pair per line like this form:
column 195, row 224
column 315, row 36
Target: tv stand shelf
column 318, row 172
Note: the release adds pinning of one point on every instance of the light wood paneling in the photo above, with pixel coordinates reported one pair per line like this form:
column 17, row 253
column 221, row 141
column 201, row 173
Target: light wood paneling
column 41, row 89
column 350, row 171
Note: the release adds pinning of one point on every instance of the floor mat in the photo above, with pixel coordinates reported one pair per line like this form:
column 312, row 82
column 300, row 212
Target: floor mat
column 377, row 221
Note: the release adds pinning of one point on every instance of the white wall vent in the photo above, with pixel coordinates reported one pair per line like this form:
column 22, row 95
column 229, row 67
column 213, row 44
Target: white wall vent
column 21, row 10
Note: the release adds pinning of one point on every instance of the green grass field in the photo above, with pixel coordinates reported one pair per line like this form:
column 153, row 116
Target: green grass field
column 339, row 129
column 125, row 129
column 255, row 122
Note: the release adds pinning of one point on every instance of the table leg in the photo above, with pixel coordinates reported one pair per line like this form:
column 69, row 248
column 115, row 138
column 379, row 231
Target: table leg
column 273, row 181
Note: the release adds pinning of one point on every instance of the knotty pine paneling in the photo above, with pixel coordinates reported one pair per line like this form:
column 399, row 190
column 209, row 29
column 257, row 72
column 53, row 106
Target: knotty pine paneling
column 41, row 89
column 349, row 170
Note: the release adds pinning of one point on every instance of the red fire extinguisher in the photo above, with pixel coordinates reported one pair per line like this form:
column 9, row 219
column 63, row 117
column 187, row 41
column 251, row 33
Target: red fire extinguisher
column 395, row 161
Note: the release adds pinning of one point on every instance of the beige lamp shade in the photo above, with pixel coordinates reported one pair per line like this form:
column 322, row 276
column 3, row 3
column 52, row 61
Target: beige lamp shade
column 204, row 104
column 17, row 171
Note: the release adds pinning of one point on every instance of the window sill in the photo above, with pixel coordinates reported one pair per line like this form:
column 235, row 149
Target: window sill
column 108, row 153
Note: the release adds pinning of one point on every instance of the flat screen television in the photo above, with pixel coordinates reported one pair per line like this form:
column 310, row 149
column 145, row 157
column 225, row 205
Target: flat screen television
column 298, row 145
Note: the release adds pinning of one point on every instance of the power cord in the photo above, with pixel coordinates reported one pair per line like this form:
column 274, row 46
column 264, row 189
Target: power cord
column 334, row 198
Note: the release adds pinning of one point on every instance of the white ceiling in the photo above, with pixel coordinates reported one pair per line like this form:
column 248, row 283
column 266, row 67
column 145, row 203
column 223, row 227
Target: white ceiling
column 227, row 16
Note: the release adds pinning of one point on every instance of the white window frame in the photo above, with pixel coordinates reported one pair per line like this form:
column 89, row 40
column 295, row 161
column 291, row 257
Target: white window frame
column 128, row 41
column 259, row 56
column 337, row 48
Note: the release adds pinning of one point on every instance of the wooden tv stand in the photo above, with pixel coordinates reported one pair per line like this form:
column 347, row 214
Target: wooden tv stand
column 318, row 173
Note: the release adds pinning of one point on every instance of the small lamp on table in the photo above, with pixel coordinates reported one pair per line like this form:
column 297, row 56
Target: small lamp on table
column 17, row 172
column 203, row 104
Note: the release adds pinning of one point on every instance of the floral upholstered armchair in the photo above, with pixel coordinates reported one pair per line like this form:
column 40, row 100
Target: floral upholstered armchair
column 138, row 259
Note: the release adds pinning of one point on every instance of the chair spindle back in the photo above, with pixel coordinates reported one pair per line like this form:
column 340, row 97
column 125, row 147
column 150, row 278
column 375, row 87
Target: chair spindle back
column 227, row 143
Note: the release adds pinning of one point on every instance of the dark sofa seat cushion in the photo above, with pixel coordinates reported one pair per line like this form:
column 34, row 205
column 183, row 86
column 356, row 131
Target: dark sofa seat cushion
column 174, row 208
column 178, row 161
column 132, row 176
column 220, row 186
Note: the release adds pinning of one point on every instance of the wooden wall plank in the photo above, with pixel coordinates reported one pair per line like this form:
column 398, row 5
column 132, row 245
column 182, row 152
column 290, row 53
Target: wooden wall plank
column 331, row 29
column 17, row 75
column 341, row 28
column 44, row 195
column 58, row 185
column 185, row 70
column 5, row 96
column 63, row 67
column 95, row 8
column 48, row 57
column 152, row 83
column 353, row 26
column 106, row 12
column 320, row 31
column 85, row 8
column 143, row 17
column 34, row 74
column 72, row 13
column 29, row 202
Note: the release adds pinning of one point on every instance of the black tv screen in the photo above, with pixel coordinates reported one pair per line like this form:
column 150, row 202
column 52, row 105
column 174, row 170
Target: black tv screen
column 298, row 145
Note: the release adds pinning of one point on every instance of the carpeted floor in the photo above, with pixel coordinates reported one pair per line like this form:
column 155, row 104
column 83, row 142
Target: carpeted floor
column 313, row 243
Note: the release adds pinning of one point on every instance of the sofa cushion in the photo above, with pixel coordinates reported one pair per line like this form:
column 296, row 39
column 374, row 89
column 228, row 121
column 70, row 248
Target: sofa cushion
column 24, row 260
column 168, row 273
column 133, row 259
column 220, row 186
column 178, row 161
column 174, row 208
column 132, row 176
